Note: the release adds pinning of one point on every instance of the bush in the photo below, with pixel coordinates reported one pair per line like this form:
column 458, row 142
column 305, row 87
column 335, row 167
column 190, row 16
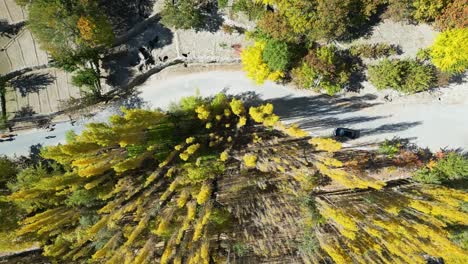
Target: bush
column 277, row 55
column 374, row 51
column 428, row 10
column 390, row 147
column 454, row 16
column 323, row 68
column 453, row 166
column 408, row 76
column 450, row 51
column 423, row 54
column 256, row 68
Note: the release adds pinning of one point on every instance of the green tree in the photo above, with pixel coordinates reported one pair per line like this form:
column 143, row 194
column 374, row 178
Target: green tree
column 74, row 32
column 449, row 52
column 182, row 14
column 277, row 55
column 324, row 19
column 88, row 80
column 323, row 68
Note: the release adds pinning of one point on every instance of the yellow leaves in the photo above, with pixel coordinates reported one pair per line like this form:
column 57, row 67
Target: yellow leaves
column 190, row 140
column 450, row 51
column 205, row 251
column 237, row 107
column 223, row 156
column 332, row 162
column 348, row 180
column 162, row 227
column 191, row 210
column 295, row 131
column 336, row 252
column 346, row 224
column 250, row 160
column 183, row 198
column 254, row 65
column 449, row 213
column 203, row 112
column 86, row 28
column 326, row 144
column 242, row 122
column 264, row 114
column 201, row 223
column 166, row 254
column 204, row 193
column 189, row 151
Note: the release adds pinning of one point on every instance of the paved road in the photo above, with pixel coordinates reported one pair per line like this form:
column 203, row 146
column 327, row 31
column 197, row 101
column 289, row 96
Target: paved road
column 429, row 123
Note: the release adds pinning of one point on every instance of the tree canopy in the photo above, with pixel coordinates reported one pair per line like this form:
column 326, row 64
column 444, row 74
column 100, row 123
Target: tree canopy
column 185, row 186
column 69, row 29
column 182, row 14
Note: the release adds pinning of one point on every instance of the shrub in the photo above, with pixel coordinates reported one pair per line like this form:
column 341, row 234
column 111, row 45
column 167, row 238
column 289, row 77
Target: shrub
column 450, row 51
column 408, row 76
column 323, row 68
column 428, row 10
column 423, row 54
column 453, row 166
column 374, row 51
column 255, row 67
column 390, row 147
column 454, row 16
column 277, row 55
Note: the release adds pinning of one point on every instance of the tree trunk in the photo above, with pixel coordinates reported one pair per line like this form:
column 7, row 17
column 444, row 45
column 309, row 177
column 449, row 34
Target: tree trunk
column 97, row 83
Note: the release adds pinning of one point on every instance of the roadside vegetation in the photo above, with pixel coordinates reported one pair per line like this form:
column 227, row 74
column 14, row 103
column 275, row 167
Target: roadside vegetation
column 317, row 27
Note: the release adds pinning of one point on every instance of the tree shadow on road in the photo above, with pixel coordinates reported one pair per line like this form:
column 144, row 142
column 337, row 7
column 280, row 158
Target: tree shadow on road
column 31, row 83
column 390, row 128
column 324, row 112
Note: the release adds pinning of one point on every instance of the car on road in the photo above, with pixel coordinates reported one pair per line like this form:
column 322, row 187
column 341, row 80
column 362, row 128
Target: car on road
column 342, row 132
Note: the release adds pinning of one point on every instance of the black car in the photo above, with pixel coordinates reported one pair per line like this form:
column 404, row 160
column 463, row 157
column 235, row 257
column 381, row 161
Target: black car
column 342, row 132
